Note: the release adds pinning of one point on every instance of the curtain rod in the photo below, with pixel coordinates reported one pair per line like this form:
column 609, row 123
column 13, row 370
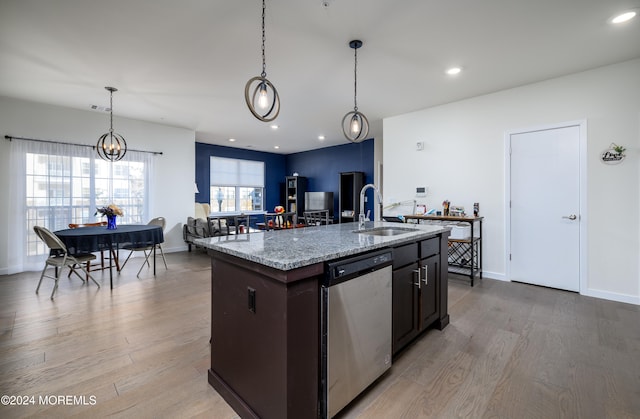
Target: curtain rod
column 10, row 137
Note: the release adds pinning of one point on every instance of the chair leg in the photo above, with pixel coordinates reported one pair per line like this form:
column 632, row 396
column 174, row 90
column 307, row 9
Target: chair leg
column 55, row 285
column 163, row 259
column 88, row 276
column 146, row 260
column 115, row 259
column 73, row 269
column 126, row 260
column 41, row 276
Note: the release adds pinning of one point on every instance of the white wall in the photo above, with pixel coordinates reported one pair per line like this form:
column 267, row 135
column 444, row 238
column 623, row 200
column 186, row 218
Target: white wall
column 172, row 195
column 464, row 161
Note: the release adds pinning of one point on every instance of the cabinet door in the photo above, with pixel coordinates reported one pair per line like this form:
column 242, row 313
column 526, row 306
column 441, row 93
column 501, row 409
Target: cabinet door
column 405, row 306
column 429, row 274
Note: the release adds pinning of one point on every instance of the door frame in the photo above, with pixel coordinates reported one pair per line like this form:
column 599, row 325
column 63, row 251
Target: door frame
column 582, row 125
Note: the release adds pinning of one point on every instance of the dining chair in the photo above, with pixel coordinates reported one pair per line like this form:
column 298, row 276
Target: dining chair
column 113, row 257
column 316, row 218
column 159, row 221
column 279, row 221
column 60, row 257
column 242, row 223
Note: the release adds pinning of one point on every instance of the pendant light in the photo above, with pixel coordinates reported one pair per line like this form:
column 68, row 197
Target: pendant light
column 111, row 146
column 259, row 93
column 355, row 125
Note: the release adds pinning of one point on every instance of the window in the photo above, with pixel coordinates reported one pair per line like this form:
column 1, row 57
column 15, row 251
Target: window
column 236, row 185
column 58, row 184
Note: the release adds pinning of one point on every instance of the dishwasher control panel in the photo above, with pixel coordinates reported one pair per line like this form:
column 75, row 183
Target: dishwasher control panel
column 343, row 270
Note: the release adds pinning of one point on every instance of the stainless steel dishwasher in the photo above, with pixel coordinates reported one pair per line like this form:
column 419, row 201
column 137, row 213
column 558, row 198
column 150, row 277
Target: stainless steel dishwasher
column 356, row 327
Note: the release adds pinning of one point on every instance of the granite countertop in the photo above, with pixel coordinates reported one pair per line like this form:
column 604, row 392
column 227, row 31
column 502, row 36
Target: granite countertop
column 298, row 247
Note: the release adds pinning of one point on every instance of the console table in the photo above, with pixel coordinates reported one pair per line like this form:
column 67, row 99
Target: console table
column 465, row 255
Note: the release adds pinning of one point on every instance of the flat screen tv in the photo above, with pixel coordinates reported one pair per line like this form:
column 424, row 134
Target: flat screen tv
column 319, row 201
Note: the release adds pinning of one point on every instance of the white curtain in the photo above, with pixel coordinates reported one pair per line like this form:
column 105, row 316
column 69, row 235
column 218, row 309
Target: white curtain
column 39, row 197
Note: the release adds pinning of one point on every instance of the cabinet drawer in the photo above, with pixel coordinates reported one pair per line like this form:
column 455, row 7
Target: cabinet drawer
column 429, row 247
column 404, row 255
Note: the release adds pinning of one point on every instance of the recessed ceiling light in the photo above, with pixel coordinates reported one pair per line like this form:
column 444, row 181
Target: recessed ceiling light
column 276, row 147
column 321, row 137
column 274, row 126
column 453, row 71
column 232, row 140
column 624, row 17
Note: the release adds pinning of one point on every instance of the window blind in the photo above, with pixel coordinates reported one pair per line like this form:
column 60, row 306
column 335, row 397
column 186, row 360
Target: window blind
column 235, row 172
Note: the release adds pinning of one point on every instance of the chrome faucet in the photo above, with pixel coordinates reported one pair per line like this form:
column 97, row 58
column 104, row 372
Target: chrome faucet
column 362, row 218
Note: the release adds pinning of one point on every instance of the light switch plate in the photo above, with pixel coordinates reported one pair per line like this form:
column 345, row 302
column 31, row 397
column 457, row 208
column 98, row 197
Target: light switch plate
column 420, row 145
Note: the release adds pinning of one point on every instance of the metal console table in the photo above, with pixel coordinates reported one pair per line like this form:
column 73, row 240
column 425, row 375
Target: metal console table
column 465, row 255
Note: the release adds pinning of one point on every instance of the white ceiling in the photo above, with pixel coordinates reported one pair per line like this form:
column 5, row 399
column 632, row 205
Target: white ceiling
column 185, row 63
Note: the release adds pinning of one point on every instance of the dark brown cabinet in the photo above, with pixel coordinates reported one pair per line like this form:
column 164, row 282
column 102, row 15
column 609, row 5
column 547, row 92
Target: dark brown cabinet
column 416, row 286
column 265, row 322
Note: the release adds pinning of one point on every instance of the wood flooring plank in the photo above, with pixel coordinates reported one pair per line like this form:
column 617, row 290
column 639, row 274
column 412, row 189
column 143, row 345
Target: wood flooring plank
column 472, row 398
column 394, row 402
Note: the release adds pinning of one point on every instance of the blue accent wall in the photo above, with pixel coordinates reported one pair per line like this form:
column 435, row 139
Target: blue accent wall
column 275, row 168
column 322, row 168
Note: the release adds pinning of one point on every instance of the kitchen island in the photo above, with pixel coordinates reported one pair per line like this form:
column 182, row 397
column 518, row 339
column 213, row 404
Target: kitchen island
column 266, row 303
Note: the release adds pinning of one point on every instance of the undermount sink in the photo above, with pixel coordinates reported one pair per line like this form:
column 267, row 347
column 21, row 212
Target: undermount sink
column 386, row 231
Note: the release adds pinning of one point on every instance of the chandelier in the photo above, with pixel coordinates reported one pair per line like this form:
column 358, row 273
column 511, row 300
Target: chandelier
column 111, row 146
column 259, row 93
column 355, row 125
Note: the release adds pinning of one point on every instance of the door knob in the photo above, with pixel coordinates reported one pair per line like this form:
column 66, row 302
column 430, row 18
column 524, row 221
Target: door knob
column 571, row 217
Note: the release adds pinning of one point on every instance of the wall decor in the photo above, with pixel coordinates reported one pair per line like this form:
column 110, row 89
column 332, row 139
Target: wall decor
column 613, row 155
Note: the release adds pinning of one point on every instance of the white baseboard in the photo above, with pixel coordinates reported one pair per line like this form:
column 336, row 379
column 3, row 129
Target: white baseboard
column 494, row 275
column 607, row 295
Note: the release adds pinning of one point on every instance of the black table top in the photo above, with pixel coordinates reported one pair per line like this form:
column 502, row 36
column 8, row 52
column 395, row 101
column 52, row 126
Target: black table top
column 93, row 239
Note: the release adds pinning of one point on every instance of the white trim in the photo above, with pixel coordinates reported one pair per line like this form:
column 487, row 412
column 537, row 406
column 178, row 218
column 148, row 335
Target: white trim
column 608, row 295
column 495, row 275
column 582, row 125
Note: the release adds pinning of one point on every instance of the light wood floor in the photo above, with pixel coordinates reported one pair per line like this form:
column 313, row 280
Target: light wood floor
column 142, row 350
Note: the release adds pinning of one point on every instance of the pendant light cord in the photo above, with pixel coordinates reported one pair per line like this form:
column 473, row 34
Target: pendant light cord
column 264, row 61
column 355, row 80
column 111, row 112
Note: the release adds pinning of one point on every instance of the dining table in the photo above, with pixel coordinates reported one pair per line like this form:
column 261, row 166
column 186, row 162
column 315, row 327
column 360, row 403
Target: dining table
column 97, row 238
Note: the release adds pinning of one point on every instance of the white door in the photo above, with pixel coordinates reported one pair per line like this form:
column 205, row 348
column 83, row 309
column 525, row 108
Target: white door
column 545, row 207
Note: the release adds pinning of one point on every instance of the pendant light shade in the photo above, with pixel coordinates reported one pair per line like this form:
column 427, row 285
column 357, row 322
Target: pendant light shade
column 111, row 146
column 355, row 126
column 259, row 93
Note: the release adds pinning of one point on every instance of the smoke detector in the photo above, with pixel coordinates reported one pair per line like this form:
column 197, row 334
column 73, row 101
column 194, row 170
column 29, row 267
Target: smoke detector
column 100, row 108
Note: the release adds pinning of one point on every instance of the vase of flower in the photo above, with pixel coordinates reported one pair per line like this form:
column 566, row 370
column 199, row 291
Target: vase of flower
column 111, row 212
column 111, row 222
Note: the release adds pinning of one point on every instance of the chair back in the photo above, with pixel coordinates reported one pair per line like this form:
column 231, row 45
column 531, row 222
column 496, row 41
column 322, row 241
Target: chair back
column 101, row 223
column 50, row 239
column 158, row 221
column 316, row 218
